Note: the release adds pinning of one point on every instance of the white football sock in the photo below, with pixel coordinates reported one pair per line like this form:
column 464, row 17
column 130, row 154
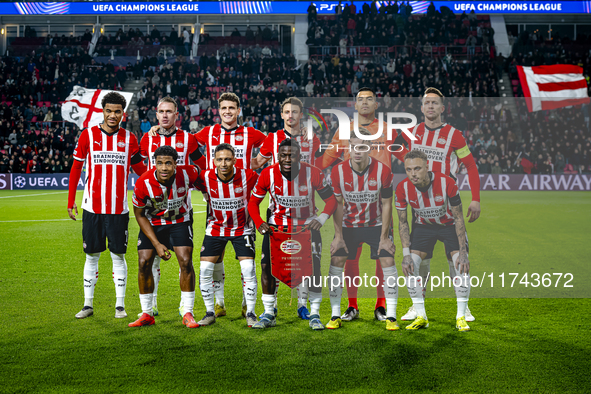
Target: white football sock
column 276, row 291
column 335, row 291
column 146, row 303
column 461, row 286
column 414, row 284
column 390, row 290
column 424, row 271
column 302, row 294
column 315, row 300
column 188, row 298
column 156, row 274
column 249, row 283
column 90, row 277
column 269, row 304
column 243, row 297
column 119, row 277
column 206, row 284
column 219, row 277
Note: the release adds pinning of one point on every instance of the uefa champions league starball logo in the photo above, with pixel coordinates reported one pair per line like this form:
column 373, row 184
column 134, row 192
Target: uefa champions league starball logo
column 20, row 182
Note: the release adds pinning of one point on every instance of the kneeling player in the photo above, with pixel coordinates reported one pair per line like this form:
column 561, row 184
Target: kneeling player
column 365, row 184
column 160, row 205
column 436, row 202
column 291, row 185
column 227, row 190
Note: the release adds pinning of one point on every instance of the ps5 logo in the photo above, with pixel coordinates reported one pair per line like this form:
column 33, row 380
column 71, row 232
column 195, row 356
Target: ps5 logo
column 326, row 7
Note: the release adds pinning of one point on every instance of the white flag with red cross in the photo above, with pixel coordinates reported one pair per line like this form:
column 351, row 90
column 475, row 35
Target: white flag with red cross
column 83, row 106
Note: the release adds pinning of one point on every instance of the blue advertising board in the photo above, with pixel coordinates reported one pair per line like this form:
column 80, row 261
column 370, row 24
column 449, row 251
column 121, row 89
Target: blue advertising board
column 280, row 7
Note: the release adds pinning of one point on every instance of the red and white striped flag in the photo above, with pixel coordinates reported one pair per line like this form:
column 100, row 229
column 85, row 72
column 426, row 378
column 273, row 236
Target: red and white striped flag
column 83, row 106
column 550, row 87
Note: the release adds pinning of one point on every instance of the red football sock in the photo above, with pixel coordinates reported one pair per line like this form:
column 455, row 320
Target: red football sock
column 352, row 271
column 381, row 301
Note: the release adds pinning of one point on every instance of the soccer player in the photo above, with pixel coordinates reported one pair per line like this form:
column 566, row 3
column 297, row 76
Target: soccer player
column 437, row 208
column 291, row 113
column 244, row 140
column 227, row 190
column 365, row 185
column 366, row 105
column 445, row 147
column 160, row 205
column 291, row 186
column 108, row 151
column 166, row 133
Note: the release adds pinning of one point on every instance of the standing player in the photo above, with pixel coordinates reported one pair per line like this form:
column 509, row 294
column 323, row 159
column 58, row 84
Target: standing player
column 444, row 146
column 291, row 185
column 161, row 208
column 366, row 105
column 291, row 113
column 108, row 151
column 167, row 134
column 227, row 190
column 365, row 185
column 437, row 208
column 244, row 140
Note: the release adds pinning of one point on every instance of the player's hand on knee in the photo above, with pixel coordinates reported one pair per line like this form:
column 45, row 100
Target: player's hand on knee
column 463, row 264
column 264, row 228
column 337, row 244
column 315, row 225
column 72, row 210
column 163, row 252
column 387, row 245
column 408, row 266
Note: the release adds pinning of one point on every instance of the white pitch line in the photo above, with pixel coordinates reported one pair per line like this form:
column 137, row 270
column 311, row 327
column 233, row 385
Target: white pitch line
column 29, row 195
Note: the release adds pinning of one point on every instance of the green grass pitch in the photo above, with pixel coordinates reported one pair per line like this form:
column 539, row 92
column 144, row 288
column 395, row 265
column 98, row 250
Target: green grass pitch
column 534, row 339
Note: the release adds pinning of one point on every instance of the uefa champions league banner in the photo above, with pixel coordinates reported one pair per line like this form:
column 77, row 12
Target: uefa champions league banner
column 496, row 182
column 280, row 7
column 46, row 181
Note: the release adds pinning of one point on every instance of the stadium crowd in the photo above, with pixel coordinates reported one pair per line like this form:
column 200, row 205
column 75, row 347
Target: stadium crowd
column 34, row 138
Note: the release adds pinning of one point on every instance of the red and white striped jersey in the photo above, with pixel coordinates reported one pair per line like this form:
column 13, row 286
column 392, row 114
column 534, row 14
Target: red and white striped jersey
column 361, row 192
column 270, row 148
column 292, row 201
column 165, row 205
column 443, row 147
column 243, row 139
column 184, row 143
column 431, row 206
column 228, row 202
column 108, row 157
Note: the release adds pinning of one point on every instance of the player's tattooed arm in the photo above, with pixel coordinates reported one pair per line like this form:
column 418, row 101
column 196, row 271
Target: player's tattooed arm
column 403, row 231
column 403, row 228
column 463, row 264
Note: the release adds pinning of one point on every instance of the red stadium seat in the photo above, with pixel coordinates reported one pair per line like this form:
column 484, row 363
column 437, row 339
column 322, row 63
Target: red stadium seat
column 514, row 82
